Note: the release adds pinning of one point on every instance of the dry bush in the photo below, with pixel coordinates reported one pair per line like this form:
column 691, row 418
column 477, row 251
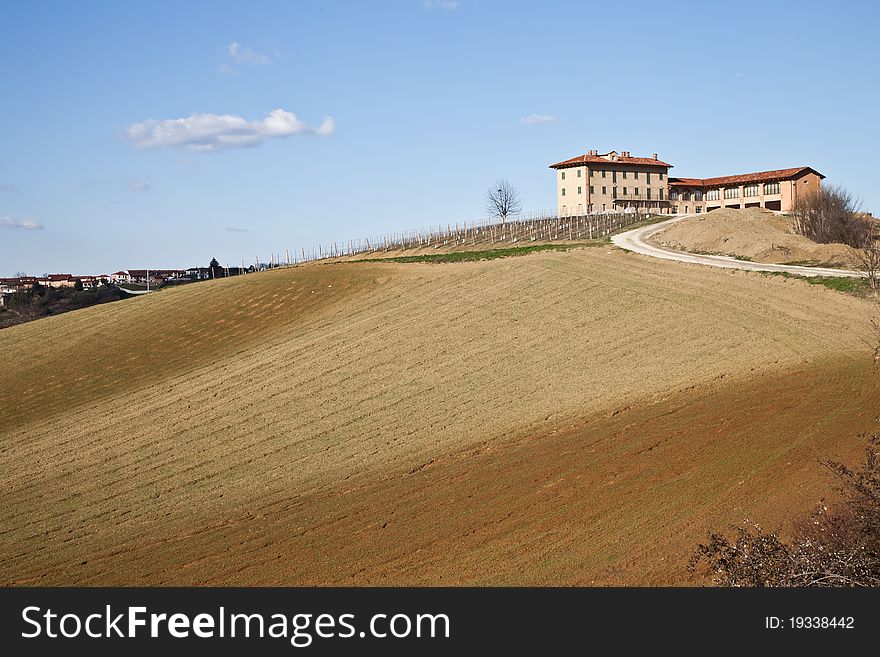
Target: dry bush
column 835, row 546
column 830, row 216
column 875, row 339
column 867, row 260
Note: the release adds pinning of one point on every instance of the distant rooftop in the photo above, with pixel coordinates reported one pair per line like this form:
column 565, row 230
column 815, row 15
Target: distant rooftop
column 624, row 157
column 759, row 176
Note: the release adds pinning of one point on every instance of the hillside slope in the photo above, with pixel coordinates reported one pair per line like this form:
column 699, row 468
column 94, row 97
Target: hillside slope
column 756, row 234
column 561, row 417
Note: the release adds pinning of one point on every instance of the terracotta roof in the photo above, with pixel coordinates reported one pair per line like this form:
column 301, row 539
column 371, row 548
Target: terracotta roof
column 689, row 182
column 602, row 159
column 60, row 277
column 760, row 176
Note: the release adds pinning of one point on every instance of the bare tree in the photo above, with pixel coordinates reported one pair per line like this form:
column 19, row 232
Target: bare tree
column 830, row 215
column 875, row 339
column 867, row 256
column 502, row 200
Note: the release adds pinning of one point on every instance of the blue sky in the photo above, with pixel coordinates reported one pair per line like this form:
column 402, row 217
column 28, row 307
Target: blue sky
column 313, row 122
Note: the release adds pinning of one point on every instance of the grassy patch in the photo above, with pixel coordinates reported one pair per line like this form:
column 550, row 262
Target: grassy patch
column 848, row 285
column 725, row 255
column 487, row 254
column 507, row 252
column 813, row 263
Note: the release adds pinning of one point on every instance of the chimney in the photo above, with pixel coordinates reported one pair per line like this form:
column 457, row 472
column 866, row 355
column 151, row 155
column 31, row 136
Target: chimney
column 654, row 155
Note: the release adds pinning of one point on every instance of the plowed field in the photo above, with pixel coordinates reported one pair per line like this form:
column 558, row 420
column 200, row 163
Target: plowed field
column 559, row 418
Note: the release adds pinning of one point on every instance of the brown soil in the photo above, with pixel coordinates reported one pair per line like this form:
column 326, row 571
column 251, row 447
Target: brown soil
column 557, row 418
column 753, row 233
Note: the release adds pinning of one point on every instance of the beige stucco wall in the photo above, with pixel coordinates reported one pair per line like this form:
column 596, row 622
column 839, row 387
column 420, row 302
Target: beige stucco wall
column 788, row 192
column 636, row 177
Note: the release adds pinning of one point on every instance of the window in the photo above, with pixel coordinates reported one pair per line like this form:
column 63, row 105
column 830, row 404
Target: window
column 686, row 196
column 624, row 175
column 579, row 173
column 563, row 191
column 648, row 177
column 661, row 194
column 579, row 189
column 603, row 173
column 661, row 175
column 604, row 190
column 603, row 207
column 771, row 188
column 591, row 173
column 563, row 175
column 591, row 190
column 698, row 195
column 699, row 209
column 712, row 194
column 673, row 195
column 636, row 191
column 750, row 190
column 614, row 192
column 614, row 176
column 624, row 191
column 648, row 193
column 731, row 192
column 636, row 175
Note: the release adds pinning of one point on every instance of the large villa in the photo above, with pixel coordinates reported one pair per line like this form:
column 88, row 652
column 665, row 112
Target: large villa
column 604, row 182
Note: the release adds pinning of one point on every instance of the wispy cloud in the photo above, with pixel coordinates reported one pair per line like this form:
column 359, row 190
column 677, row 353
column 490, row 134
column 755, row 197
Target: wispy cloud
column 233, row 229
column 139, row 185
column 23, row 224
column 239, row 56
column 209, row 133
column 8, row 188
column 243, row 55
column 441, row 4
column 537, row 119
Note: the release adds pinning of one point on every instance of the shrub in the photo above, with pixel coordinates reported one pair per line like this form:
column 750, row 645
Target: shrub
column 835, row 546
column 830, row 215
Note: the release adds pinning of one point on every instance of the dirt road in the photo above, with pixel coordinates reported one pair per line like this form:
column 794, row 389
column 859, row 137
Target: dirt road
column 638, row 240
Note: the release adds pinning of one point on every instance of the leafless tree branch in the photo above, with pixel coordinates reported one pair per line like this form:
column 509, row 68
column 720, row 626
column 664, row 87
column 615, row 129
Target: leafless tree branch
column 831, row 215
column 502, row 200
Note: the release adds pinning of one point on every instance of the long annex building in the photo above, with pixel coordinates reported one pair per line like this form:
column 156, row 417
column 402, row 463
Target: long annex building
column 604, row 182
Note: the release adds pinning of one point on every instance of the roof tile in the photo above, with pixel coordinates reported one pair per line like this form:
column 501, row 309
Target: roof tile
column 759, row 176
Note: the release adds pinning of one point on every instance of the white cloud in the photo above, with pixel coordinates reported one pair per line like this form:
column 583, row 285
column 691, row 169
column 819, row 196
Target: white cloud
column 139, row 185
column 210, row 133
column 441, row 4
column 244, row 55
column 24, row 224
column 537, row 119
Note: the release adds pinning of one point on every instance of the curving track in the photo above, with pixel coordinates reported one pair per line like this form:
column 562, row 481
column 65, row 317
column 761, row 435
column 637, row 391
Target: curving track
column 638, row 241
